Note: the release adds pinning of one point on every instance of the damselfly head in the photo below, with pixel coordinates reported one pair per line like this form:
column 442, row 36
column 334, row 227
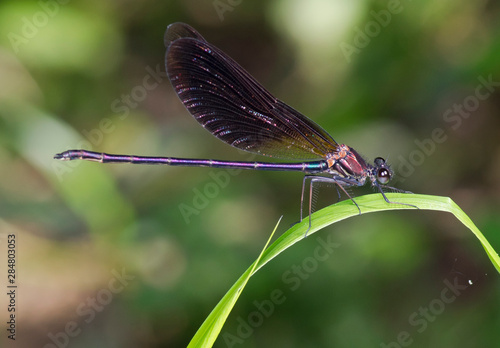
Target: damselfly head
column 381, row 171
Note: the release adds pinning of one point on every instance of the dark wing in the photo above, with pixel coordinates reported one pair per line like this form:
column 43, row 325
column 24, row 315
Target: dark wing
column 233, row 106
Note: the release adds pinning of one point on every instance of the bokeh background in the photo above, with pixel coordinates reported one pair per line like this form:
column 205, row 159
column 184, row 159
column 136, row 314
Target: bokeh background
column 137, row 256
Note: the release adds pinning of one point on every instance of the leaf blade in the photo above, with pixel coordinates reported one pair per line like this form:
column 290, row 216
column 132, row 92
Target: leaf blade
column 346, row 209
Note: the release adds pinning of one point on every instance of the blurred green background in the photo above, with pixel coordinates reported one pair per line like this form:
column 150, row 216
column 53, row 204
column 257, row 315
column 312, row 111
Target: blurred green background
column 137, row 256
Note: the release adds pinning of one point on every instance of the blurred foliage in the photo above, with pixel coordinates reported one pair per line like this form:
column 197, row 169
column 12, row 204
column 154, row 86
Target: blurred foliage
column 382, row 76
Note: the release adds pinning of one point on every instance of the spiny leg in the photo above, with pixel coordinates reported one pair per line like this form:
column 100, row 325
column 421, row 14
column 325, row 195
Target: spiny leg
column 338, row 194
column 306, row 177
column 341, row 182
column 318, row 179
column 313, row 179
column 397, row 190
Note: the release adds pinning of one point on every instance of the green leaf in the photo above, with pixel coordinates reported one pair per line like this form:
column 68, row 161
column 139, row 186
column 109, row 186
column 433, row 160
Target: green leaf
column 209, row 330
column 368, row 204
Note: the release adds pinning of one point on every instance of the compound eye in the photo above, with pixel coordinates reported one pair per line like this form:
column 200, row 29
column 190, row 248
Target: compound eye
column 383, row 176
column 379, row 161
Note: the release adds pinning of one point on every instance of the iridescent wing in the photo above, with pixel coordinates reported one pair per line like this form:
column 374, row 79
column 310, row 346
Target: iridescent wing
column 227, row 101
